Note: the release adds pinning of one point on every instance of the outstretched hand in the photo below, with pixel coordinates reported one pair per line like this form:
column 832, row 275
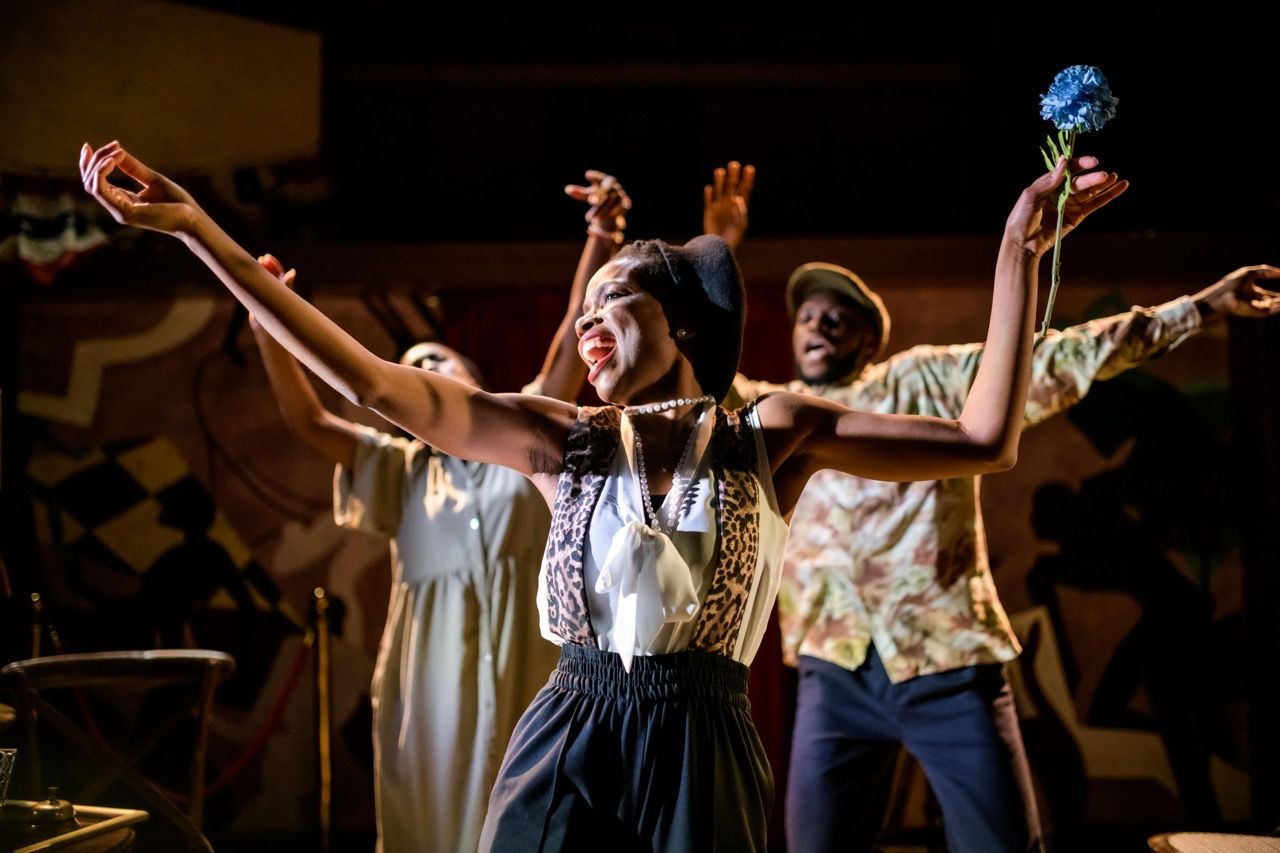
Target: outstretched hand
column 1033, row 221
column 1239, row 294
column 160, row 204
column 607, row 215
column 724, row 202
column 272, row 264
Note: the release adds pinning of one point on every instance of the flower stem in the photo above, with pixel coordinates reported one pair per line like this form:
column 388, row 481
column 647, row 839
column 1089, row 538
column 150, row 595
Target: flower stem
column 1068, row 145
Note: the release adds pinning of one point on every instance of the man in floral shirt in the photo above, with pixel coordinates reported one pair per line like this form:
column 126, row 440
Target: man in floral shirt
column 887, row 604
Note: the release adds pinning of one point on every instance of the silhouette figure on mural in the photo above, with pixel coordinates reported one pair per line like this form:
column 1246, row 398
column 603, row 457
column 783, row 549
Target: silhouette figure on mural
column 184, row 578
column 1115, row 534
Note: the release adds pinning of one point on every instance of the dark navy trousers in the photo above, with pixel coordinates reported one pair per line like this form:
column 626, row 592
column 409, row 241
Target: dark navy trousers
column 960, row 725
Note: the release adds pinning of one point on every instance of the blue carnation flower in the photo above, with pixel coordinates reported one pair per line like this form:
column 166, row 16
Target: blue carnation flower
column 1079, row 100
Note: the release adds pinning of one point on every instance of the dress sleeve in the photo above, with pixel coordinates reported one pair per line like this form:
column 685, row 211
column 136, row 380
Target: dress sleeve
column 370, row 495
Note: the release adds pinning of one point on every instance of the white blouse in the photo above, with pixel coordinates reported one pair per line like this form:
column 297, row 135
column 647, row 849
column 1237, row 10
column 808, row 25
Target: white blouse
column 643, row 595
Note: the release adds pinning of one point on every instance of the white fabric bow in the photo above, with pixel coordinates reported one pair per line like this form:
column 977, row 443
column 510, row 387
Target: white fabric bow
column 655, row 583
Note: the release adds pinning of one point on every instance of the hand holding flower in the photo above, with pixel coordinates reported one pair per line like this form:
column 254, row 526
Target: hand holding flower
column 1079, row 100
column 1033, row 222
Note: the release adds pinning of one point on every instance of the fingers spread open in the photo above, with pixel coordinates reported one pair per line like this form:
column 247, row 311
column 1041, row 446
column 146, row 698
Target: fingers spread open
column 733, row 171
column 747, row 183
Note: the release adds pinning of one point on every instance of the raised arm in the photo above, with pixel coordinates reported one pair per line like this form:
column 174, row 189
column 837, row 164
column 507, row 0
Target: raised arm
column 807, row 434
column 563, row 371
column 1066, row 363
column 329, row 435
column 524, row 433
column 725, row 201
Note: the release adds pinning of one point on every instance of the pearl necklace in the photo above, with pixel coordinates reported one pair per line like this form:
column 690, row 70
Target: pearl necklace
column 675, row 498
column 667, row 405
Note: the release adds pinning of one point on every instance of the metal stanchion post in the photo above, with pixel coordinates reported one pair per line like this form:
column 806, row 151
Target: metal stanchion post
column 324, row 721
column 41, row 624
column 37, row 623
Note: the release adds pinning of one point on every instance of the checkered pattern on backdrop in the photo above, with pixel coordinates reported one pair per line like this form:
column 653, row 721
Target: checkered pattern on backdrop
column 118, row 514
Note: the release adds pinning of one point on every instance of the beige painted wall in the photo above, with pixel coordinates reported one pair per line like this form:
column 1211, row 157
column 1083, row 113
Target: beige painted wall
column 183, row 88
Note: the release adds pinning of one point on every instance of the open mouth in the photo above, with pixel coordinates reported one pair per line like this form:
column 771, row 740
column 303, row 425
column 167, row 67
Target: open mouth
column 819, row 348
column 596, row 351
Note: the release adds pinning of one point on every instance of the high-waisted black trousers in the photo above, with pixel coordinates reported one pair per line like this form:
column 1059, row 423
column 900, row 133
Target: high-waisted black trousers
column 664, row 758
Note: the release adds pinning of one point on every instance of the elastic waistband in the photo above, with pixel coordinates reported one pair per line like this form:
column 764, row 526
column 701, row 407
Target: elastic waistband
column 681, row 675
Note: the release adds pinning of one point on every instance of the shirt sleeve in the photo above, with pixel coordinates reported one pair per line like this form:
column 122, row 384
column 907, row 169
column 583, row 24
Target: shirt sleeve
column 1065, row 364
column 370, row 495
column 924, row 380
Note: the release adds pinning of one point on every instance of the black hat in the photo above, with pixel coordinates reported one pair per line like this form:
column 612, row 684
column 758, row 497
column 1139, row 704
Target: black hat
column 701, row 292
column 818, row 276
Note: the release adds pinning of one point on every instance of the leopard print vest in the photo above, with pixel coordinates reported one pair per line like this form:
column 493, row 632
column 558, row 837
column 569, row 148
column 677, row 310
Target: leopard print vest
column 589, row 452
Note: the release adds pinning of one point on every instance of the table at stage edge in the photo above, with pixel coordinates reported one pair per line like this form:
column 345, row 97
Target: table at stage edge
column 1213, row 842
column 99, row 830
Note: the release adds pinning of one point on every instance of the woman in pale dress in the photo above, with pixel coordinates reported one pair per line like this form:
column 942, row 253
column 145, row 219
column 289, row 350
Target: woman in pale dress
column 460, row 656
column 642, row 739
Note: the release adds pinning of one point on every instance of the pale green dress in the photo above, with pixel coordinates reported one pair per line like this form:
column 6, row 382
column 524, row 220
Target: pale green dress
column 461, row 656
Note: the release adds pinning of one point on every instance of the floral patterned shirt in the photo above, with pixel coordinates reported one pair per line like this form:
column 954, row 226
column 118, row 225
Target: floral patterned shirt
column 904, row 565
